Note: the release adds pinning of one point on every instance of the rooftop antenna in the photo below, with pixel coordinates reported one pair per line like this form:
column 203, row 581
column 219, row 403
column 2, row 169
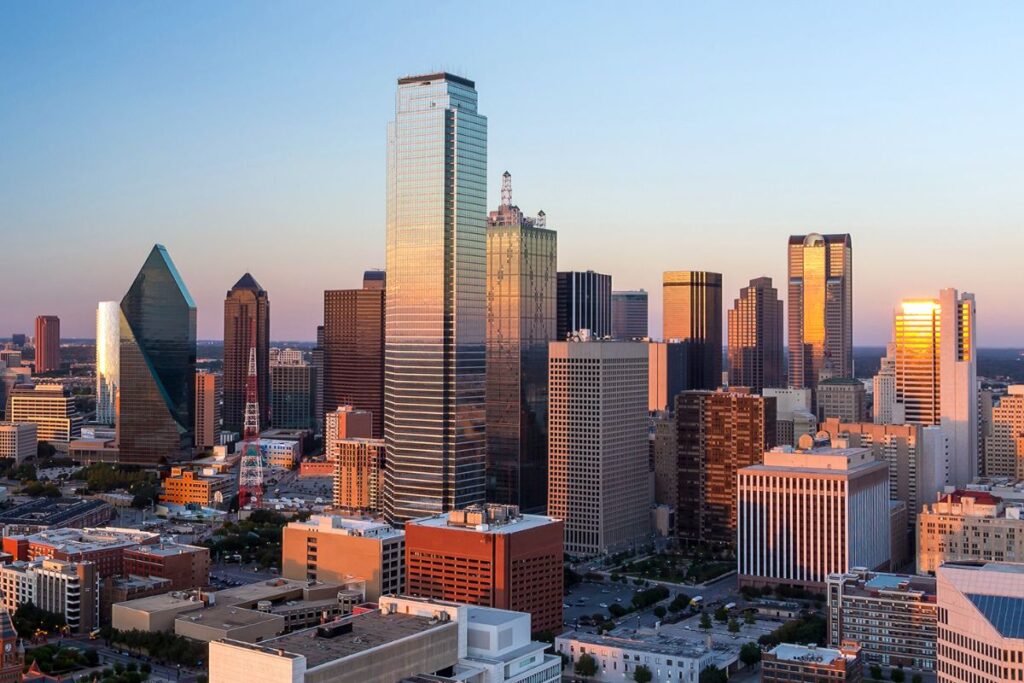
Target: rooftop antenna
column 506, row 189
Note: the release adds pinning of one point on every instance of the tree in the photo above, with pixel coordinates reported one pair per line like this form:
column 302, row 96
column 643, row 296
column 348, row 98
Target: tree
column 897, row 675
column 916, row 678
column 722, row 614
column 876, row 672
column 642, row 674
column 586, row 666
column 705, row 622
column 660, row 612
column 734, row 626
column 750, row 654
column 713, row 674
column 748, row 617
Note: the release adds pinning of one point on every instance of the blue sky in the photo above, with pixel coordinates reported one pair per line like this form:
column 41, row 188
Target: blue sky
column 250, row 136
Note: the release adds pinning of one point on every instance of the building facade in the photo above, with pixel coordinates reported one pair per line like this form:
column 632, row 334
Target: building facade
column 787, row 663
column 293, row 395
column 809, row 513
column 47, row 341
column 339, row 549
column 718, row 433
column 980, row 638
column 18, row 441
column 158, row 365
column 434, row 376
column 883, row 384
column 108, row 360
column 70, row 589
column 354, row 349
column 584, row 303
column 820, row 308
column 936, row 373
column 891, row 616
column 667, row 374
column 207, row 412
column 598, row 481
column 1004, row 446
column 618, row 658
column 841, row 397
column 358, row 471
column 50, row 407
column 692, row 314
column 969, row 526
column 184, row 486
column 521, row 297
column 246, row 324
column 755, row 337
column 629, row 314
column 491, row 556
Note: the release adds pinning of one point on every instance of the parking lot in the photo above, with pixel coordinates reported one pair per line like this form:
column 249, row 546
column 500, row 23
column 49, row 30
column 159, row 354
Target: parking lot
column 288, row 484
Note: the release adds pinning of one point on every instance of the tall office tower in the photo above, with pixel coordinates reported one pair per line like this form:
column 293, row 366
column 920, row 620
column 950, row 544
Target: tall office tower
column 820, row 308
column 629, row 314
column 584, row 303
column 521, row 292
column 208, row 395
column 50, row 407
column 885, row 410
column 692, row 306
column 358, row 474
column 108, row 360
column 47, row 343
column 598, row 452
column 354, row 349
column 666, row 374
column 246, row 313
column 979, row 636
column 936, row 373
column 717, row 434
column 318, row 366
column 158, row 365
column 809, row 513
column 292, row 395
column 841, row 397
column 1004, row 447
column 755, row 337
column 435, row 367
column 375, row 279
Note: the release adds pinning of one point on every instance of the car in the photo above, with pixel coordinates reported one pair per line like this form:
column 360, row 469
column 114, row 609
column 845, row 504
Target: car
column 604, row 605
column 618, row 599
column 565, row 606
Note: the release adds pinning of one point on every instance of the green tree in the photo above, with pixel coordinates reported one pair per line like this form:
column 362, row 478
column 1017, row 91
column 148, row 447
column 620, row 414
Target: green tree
column 734, row 626
column 713, row 674
column 748, row 617
column 660, row 612
column 586, row 666
column 917, row 678
column 876, row 672
column 897, row 675
column 705, row 622
column 642, row 674
column 722, row 614
column 750, row 654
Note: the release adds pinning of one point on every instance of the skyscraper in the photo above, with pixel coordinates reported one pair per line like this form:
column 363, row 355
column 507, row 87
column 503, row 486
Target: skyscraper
column 246, row 312
column 293, row 395
column 318, row 368
column 207, row 416
column 434, row 373
column 47, row 343
column 158, row 365
column 598, row 481
column 936, row 373
column 108, row 360
column 755, row 337
column 584, row 303
column 820, row 308
column 692, row 306
column 354, row 348
column 629, row 314
column 521, row 292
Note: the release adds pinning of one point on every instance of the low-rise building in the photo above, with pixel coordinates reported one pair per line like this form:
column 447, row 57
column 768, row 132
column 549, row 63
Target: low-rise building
column 618, row 658
column 281, row 453
column 980, row 625
column 891, row 616
column 185, row 566
column 788, row 663
column 91, row 451
column 18, row 441
column 404, row 639
column 71, row 589
column 104, row 547
column 969, row 526
column 57, row 513
column 185, row 486
column 339, row 549
column 51, row 408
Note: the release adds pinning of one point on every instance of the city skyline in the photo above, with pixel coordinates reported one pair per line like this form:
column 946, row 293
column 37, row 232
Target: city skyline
column 821, row 145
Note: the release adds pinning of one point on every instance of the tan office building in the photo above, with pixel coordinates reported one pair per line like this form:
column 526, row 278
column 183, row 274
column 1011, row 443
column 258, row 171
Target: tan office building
column 358, row 474
column 208, row 391
column 1004, row 446
column 51, row 408
column 692, row 314
column 969, row 526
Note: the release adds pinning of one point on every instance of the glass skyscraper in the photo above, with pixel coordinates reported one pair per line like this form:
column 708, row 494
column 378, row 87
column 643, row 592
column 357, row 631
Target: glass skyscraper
column 436, row 279
column 246, row 323
column 692, row 314
column 521, row 294
column 158, row 365
column 108, row 360
column 584, row 303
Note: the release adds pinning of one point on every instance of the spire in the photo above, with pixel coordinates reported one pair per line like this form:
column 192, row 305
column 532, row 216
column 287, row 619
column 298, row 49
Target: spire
column 506, row 189
column 247, row 281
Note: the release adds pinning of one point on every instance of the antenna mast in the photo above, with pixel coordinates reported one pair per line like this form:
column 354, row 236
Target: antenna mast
column 506, row 189
column 250, row 472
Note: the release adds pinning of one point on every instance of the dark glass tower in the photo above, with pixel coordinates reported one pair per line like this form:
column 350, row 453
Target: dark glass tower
column 246, row 310
column 692, row 305
column 521, row 267
column 584, row 303
column 755, row 337
column 158, row 365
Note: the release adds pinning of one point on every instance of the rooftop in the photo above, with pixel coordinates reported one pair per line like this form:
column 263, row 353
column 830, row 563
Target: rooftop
column 491, row 616
column 808, row 654
column 348, row 526
column 495, row 519
column 656, row 644
column 51, row 511
column 437, row 76
column 168, row 549
column 227, row 616
column 861, row 582
column 369, row 630
column 1005, row 613
column 85, row 540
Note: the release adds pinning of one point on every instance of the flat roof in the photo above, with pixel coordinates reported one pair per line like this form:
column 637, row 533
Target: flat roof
column 90, row 539
column 167, row 549
column 369, row 630
column 348, row 526
column 437, row 76
column 50, row 511
column 492, row 616
column 658, row 644
column 160, row 603
column 807, row 655
column 227, row 616
column 520, row 523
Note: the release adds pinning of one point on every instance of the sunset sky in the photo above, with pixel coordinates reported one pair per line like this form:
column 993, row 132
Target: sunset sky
column 251, row 136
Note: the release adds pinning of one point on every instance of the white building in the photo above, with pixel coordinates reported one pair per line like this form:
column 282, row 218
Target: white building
column 108, row 360
column 1004, row 447
column 51, row 408
column 71, row 589
column 18, row 440
column 598, row 473
column 668, row 659
column 883, row 387
column 793, row 416
column 981, row 627
column 280, row 453
column 805, row 514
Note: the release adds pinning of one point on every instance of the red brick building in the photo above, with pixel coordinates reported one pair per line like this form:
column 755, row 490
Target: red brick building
column 186, row 566
column 103, row 547
column 491, row 556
